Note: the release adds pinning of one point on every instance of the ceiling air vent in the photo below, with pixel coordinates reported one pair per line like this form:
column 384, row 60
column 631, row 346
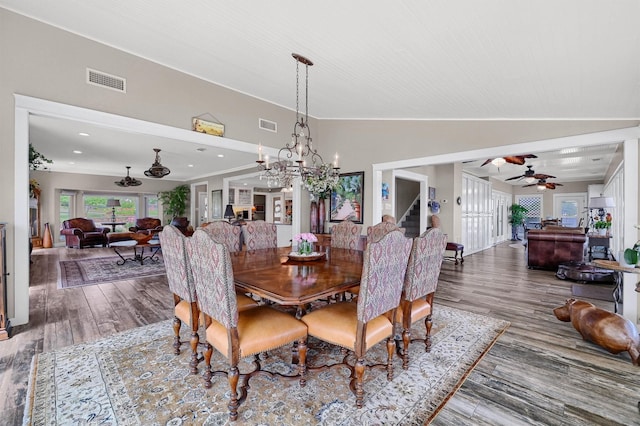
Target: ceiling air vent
column 99, row 78
column 270, row 126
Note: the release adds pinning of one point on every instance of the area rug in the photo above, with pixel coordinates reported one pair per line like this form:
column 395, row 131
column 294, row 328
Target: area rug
column 133, row 378
column 74, row 273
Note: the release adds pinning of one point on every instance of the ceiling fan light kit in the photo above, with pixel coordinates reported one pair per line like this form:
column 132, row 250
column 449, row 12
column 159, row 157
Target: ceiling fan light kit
column 128, row 180
column 157, row 170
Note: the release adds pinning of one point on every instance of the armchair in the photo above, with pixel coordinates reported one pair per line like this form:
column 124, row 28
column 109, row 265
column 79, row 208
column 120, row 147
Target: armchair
column 147, row 225
column 81, row 232
column 182, row 223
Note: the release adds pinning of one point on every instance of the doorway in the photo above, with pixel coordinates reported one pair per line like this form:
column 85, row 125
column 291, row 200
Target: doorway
column 570, row 209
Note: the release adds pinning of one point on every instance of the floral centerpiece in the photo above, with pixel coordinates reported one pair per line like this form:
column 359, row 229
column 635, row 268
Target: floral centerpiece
column 305, row 240
column 321, row 184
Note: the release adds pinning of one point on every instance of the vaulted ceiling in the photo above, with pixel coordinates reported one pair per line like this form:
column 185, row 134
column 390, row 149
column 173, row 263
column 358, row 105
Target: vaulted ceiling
column 412, row 59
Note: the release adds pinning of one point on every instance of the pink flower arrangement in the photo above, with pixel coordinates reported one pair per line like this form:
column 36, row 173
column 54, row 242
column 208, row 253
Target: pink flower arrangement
column 305, row 236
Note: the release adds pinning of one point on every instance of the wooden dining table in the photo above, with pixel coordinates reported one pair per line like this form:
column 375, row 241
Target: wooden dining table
column 272, row 275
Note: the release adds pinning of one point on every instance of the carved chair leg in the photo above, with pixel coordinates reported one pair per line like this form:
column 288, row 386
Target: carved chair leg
column 176, row 338
column 406, row 339
column 234, row 375
column 391, row 348
column 207, row 364
column 195, row 339
column 427, row 341
column 359, row 370
column 302, row 361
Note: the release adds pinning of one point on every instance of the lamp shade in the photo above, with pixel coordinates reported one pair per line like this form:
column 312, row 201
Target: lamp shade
column 113, row 203
column 601, row 202
column 228, row 212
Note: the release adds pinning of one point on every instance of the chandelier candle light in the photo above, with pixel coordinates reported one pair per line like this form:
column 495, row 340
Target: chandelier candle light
column 298, row 158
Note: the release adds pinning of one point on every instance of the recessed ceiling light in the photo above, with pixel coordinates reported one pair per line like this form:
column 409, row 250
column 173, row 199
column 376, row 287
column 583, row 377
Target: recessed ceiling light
column 75, row 151
column 83, row 134
column 220, row 155
column 189, row 165
column 245, row 184
column 72, row 162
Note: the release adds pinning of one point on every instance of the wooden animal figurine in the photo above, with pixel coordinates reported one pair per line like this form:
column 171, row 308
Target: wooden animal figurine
column 607, row 329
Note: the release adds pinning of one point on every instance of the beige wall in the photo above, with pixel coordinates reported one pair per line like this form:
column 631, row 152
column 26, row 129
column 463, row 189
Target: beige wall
column 41, row 61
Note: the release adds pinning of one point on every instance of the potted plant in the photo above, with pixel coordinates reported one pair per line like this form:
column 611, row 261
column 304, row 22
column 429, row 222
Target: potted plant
column 516, row 219
column 602, row 227
column 174, row 202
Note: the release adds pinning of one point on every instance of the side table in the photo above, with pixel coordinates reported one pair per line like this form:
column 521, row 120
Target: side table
column 615, row 266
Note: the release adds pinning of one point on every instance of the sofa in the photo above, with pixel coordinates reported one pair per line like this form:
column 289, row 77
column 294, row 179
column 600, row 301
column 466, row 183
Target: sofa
column 80, row 232
column 547, row 248
column 147, row 225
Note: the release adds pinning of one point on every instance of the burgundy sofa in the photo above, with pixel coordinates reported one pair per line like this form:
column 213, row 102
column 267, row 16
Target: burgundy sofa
column 548, row 248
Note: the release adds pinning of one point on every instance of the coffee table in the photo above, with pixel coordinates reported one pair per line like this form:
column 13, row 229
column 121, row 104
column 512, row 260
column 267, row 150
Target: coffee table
column 138, row 251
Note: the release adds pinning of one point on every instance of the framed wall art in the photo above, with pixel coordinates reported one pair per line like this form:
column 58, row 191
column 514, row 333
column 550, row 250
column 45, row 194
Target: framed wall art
column 347, row 199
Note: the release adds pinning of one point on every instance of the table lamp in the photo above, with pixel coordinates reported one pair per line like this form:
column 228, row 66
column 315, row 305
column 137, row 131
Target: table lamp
column 113, row 204
column 228, row 212
column 601, row 203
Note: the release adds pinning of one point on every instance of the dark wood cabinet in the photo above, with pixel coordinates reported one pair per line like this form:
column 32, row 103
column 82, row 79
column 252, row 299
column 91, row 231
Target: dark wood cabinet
column 4, row 320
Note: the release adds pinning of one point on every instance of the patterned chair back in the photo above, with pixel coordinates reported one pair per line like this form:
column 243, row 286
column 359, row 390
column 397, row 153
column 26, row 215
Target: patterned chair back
column 176, row 262
column 424, row 264
column 383, row 271
column 213, row 274
column 225, row 233
column 346, row 235
column 259, row 234
column 376, row 232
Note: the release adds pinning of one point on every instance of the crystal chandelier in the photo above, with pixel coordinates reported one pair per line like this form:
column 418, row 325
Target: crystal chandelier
column 297, row 158
column 157, row 170
column 128, row 181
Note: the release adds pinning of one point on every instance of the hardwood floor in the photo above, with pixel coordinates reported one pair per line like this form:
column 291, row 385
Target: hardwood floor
column 540, row 371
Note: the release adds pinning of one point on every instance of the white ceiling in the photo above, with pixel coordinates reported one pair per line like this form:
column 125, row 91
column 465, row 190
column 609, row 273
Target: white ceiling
column 411, row 59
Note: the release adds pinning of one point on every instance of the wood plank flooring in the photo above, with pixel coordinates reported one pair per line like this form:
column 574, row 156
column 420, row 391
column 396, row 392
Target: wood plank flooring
column 539, row 372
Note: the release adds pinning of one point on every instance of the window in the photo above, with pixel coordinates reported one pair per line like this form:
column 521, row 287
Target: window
column 66, row 206
column 533, row 203
column 95, row 207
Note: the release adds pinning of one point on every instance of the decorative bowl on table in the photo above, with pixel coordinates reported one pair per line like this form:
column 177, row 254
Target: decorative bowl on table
column 294, row 255
column 141, row 238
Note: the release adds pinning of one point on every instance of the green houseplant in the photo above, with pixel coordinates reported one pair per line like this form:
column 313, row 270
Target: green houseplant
column 516, row 219
column 174, row 202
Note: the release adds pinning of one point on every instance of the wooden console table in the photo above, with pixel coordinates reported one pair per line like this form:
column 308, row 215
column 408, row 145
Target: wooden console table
column 615, row 266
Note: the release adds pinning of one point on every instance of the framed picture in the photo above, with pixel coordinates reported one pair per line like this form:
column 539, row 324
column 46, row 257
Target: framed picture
column 432, row 193
column 347, row 199
column 216, row 204
column 244, row 197
column 208, row 127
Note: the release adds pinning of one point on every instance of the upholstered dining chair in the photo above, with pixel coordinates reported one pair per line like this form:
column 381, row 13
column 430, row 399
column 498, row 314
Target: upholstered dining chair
column 359, row 325
column 225, row 233
column 259, row 234
column 346, row 235
column 233, row 333
column 420, row 283
column 181, row 284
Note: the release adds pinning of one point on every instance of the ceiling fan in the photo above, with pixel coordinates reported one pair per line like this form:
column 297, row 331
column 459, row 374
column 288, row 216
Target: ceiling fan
column 543, row 184
column 513, row 159
column 530, row 175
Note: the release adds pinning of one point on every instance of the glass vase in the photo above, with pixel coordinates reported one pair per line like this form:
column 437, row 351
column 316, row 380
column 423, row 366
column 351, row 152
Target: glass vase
column 305, row 248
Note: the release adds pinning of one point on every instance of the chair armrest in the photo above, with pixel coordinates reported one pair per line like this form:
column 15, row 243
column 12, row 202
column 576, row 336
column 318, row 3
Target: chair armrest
column 104, row 231
column 133, row 229
column 71, row 231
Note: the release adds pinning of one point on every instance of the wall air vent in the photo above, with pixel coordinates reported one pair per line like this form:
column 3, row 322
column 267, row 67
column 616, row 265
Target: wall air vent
column 99, row 78
column 270, row 126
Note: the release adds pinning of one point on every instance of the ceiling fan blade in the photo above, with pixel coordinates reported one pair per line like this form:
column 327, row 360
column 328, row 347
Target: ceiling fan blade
column 531, row 184
column 515, row 177
column 487, row 162
column 542, row 176
column 519, row 159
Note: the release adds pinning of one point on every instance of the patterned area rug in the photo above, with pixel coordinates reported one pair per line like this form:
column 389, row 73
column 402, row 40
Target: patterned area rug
column 74, row 273
column 133, row 378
